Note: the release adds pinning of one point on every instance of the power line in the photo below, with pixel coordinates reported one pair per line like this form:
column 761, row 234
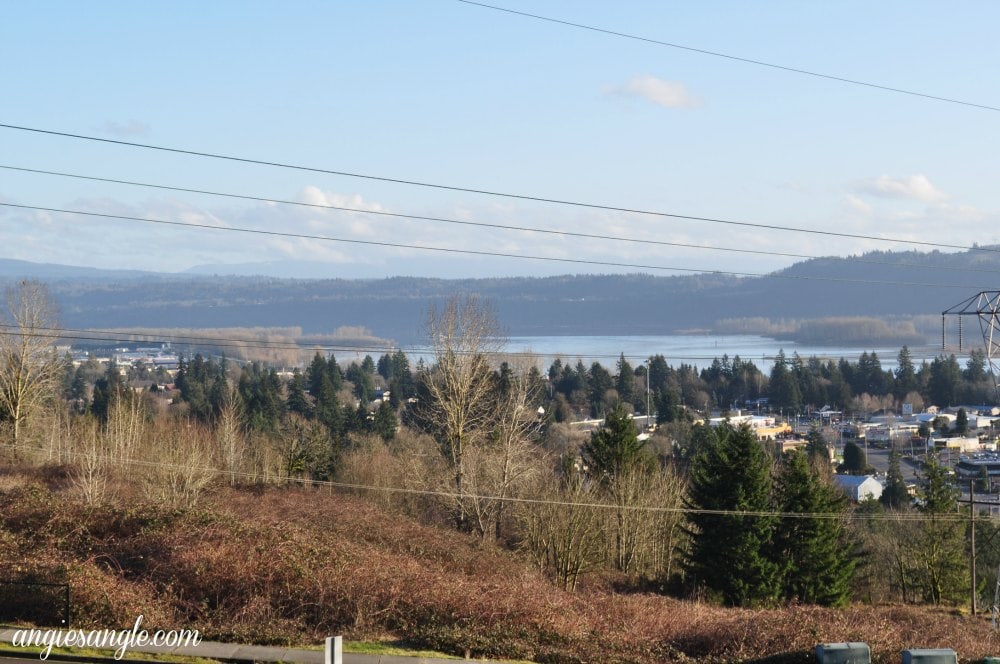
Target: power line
column 495, row 254
column 529, row 229
column 901, row 516
column 736, row 58
column 485, row 192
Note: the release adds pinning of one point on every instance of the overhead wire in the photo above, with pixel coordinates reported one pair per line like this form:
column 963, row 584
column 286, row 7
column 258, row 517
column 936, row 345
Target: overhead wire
column 519, row 228
column 729, row 56
column 496, row 254
column 485, row 192
column 683, row 510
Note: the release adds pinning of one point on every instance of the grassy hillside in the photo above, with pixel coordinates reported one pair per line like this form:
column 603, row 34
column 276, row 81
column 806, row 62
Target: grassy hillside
column 291, row 566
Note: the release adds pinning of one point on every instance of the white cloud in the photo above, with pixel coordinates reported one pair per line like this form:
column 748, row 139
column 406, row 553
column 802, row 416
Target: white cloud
column 315, row 196
column 858, row 204
column 669, row 94
column 915, row 187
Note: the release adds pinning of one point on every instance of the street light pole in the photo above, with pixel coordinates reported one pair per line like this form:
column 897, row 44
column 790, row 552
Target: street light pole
column 648, row 413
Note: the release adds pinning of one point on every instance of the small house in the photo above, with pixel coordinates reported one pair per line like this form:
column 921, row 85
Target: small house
column 859, row 487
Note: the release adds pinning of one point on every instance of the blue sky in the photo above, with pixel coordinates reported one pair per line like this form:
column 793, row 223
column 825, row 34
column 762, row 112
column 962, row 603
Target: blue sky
column 441, row 91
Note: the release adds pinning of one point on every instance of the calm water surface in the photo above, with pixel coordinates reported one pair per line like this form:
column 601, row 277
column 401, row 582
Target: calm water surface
column 698, row 350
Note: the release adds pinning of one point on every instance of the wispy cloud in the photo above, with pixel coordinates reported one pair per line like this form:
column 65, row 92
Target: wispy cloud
column 858, row 204
column 914, row 187
column 129, row 128
column 668, row 94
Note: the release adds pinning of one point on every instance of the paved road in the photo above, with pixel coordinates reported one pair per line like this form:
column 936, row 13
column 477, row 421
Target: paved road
column 247, row 653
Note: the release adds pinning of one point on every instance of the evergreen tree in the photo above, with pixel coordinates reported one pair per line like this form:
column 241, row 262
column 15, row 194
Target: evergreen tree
column 402, row 376
column 327, row 408
column 817, row 447
column 906, row 374
column 615, row 447
column 943, row 569
column 297, row 401
column 975, row 367
column 362, row 421
column 817, row 561
column 729, row 552
column 107, row 391
column 315, row 373
column 625, row 381
column 855, row 462
column 701, row 437
column 667, row 406
column 384, row 366
column 961, row 422
column 600, row 382
column 944, row 382
column 895, row 496
column 783, row 388
column 385, row 422
column 260, row 391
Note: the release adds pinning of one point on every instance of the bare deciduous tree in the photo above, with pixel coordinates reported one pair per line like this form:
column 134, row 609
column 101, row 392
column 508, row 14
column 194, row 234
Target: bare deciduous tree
column 459, row 393
column 29, row 367
column 125, row 430
column 503, row 464
column 563, row 530
column 231, row 438
column 177, row 468
column 90, row 475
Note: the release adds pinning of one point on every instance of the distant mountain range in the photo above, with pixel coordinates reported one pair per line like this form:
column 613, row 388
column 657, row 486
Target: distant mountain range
column 884, row 285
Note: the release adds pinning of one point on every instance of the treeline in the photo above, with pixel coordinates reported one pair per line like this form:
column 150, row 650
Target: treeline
column 479, row 442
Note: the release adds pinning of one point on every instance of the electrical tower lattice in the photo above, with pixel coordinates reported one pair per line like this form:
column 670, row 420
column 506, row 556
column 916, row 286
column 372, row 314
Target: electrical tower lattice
column 986, row 307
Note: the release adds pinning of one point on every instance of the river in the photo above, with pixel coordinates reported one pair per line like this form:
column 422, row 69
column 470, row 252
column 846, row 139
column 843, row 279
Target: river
column 698, row 350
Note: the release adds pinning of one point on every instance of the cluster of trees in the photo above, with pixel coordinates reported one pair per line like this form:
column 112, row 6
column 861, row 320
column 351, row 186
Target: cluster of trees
column 793, row 385
column 762, row 531
column 477, row 442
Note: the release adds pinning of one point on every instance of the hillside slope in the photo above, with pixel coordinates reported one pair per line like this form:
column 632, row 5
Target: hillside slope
column 291, row 565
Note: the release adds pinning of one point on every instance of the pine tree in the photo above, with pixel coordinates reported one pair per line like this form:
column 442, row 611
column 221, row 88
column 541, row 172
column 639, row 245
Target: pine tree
column 817, row 447
column 943, row 571
column 962, row 422
column 906, row 374
column 783, row 387
column 385, row 422
column 817, row 562
column 729, row 552
column 896, row 496
column 625, row 381
column 297, row 401
column 615, row 447
column 855, row 462
column 327, row 408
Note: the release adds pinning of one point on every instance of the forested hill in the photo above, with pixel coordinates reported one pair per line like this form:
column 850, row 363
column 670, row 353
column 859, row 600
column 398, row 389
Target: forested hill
column 922, row 284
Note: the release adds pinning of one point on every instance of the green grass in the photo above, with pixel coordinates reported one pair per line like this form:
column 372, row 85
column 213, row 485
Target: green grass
column 399, row 648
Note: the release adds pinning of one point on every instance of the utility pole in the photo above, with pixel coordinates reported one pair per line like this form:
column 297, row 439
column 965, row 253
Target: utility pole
column 649, row 365
column 972, row 532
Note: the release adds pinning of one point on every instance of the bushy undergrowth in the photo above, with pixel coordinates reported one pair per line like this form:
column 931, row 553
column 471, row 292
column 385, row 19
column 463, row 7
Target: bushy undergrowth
column 287, row 565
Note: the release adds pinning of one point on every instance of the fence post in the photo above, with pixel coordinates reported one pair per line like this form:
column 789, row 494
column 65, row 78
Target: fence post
column 334, row 650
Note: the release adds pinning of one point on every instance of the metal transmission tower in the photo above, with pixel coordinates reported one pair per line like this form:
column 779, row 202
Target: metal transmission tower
column 986, row 306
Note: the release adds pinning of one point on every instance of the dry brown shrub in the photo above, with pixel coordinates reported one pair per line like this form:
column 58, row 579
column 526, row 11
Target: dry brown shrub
column 291, row 565
column 176, row 463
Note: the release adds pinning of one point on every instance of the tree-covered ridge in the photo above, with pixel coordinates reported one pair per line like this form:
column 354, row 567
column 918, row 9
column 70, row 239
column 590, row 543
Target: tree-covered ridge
column 874, row 287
